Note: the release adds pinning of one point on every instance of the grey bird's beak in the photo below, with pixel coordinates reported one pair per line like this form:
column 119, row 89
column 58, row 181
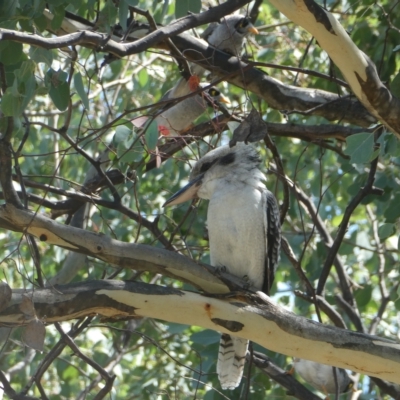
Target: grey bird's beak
column 252, row 29
column 224, row 99
column 188, row 192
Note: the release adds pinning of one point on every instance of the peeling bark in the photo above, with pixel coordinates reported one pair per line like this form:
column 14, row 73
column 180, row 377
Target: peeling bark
column 358, row 70
column 254, row 317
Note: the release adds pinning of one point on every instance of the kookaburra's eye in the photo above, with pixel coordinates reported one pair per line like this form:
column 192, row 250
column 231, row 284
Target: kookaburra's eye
column 206, row 166
column 227, row 159
column 214, row 92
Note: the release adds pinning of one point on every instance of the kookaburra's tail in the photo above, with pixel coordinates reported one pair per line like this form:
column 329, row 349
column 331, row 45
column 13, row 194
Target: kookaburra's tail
column 231, row 360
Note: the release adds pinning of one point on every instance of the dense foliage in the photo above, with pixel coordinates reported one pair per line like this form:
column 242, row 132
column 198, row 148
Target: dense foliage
column 68, row 106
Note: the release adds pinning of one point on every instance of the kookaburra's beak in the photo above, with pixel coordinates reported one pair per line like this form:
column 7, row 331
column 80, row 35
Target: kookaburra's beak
column 188, row 192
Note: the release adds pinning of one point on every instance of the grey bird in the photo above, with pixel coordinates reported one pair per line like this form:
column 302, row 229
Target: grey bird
column 179, row 118
column 322, row 376
column 244, row 231
column 229, row 34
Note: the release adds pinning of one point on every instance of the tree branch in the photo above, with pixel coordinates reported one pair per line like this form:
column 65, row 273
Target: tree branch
column 357, row 68
column 125, row 255
column 281, row 376
column 275, row 93
column 250, row 316
column 356, row 200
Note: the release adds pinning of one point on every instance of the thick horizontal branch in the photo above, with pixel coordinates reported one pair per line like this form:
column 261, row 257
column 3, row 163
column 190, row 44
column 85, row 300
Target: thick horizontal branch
column 358, row 70
column 253, row 317
column 278, row 95
column 125, row 255
column 313, row 133
column 155, row 37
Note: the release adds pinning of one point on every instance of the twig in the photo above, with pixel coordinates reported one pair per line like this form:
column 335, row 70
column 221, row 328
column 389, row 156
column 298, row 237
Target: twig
column 363, row 192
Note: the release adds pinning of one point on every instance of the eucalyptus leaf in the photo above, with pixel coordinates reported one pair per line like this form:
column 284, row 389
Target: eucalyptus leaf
column 78, row 83
column 151, row 135
column 360, row 147
column 386, row 230
column 183, row 7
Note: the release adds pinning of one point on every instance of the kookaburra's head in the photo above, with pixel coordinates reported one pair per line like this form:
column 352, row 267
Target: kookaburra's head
column 223, row 165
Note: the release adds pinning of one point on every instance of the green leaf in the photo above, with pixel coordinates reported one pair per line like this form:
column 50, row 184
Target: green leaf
column 37, row 7
column 360, row 147
column 107, row 17
column 395, row 86
column 40, row 55
column 183, row 7
column 12, row 53
column 123, row 13
column 11, row 105
column 69, row 373
column 41, row 22
column 392, row 212
column 26, row 71
column 205, row 337
column 129, row 149
column 386, row 230
column 389, row 144
column 59, row 88
column 78, row 83
column 176, row 328
column 151, row 135
column 60, row 96
column 122, row 133
column 59, row 14
column 143, row 78
column 18, row 96
column 363, row 296
column 7, row 9
column 28, row 92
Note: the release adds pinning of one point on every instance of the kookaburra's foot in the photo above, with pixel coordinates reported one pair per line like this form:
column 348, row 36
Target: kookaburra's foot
column 247, row 283
column 220, row 270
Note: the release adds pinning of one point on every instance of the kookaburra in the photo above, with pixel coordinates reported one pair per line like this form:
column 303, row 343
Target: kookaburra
column 244, row 231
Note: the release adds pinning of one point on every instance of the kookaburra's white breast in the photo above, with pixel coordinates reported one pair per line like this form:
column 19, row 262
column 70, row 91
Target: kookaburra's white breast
column 236, row 230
